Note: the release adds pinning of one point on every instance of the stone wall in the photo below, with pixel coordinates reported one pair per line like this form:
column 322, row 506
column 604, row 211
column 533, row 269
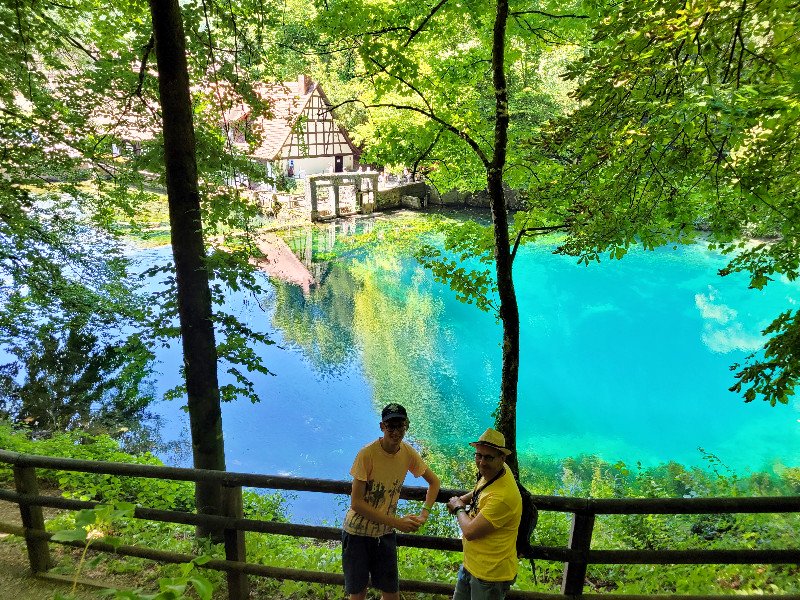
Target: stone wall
column 479, row 199
column 403, row 196
column 393, row 197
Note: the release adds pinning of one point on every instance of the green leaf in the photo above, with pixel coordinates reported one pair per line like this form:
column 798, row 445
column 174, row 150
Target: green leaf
column 85, row 517
column 70, row 535
column 202, row 586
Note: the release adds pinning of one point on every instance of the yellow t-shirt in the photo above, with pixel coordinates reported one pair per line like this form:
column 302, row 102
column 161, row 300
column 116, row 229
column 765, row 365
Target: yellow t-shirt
column 384, row 474
column 494, row 556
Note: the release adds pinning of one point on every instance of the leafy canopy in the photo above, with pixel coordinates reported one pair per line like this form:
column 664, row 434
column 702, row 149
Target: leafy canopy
column 687, row 118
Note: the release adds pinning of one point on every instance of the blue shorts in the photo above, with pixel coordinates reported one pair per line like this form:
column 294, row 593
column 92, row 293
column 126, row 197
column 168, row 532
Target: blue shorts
column 469, row 587
column 364, row 556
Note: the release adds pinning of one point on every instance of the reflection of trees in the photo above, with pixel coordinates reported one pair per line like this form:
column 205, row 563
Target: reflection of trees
column 397, row 323
column 71, row 379
column 383, row 304
column 321, row 323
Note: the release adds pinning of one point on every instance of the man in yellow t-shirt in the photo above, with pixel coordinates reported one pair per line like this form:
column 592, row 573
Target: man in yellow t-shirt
column 369, row 546
column 489, row 518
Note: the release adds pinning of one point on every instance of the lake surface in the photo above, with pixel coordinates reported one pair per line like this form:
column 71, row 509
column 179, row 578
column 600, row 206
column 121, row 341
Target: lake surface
column 627, row 360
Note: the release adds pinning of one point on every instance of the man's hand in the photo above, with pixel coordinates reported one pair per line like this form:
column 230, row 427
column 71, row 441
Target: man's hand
column 408, row 524
column 455, row 503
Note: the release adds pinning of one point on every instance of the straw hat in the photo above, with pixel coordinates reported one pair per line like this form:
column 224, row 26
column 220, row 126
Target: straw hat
column 494, row 439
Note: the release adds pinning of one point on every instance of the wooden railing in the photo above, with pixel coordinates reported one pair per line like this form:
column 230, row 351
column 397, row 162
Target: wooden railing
column 576, row 556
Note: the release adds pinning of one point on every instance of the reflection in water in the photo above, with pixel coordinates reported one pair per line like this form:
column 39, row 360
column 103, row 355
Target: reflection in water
column 398, row 330
column 375, row 308
column 615, row 363
column 321, row 324
column 627, row 360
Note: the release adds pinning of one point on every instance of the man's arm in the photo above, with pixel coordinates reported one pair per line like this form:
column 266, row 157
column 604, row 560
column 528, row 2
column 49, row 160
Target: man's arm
column 430, row 497
column 405, row 524
column 474, row 528
column 457, row 502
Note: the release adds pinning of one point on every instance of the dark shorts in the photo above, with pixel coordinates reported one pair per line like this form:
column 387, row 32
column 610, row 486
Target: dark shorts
column 364, row 556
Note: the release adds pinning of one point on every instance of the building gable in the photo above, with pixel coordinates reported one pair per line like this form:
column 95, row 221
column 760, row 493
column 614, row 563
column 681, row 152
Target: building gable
column 299, row 124
column 315, row 133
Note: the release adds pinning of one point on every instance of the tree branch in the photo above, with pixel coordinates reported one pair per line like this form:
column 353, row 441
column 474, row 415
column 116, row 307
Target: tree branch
column 517, row 13
column 143, row 65
column 445, row 125
column 424, row 22
column 424, row 155
column 531, row 231
column 408, row 84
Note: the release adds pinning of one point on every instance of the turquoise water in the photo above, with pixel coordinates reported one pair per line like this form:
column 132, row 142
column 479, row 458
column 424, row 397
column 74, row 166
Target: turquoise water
column 628, row 360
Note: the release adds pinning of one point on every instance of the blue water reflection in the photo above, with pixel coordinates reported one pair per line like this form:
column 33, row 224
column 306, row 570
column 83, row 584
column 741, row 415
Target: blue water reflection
column 628, row 360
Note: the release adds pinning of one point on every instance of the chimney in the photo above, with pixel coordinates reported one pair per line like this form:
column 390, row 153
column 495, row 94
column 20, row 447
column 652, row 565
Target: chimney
column 304, row 83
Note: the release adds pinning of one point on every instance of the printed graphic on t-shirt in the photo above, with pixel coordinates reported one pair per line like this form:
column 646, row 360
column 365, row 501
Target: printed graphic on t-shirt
column 381, row 498
column 375, row 494
column 383, row 475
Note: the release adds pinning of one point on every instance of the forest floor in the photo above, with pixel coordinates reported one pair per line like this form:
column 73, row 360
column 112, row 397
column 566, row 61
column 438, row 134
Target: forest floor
column 17, row 582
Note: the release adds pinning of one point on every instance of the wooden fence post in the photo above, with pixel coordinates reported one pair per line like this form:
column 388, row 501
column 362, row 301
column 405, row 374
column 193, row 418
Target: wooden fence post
column 238, row 585
column 580, row 539
column 32, row 519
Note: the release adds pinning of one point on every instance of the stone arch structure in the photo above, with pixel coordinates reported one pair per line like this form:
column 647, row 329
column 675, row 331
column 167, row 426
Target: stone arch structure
column 330, row 194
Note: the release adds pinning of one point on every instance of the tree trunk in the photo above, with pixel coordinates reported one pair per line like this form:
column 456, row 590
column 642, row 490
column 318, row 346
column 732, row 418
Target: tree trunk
column 509, row 310
column 194, row 295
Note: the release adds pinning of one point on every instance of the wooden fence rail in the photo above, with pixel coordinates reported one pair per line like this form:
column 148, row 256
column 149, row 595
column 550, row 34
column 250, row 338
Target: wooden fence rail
column 577, row 556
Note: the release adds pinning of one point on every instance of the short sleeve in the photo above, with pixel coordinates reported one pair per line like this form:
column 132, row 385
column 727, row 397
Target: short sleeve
column 362, row 466
column 496, row 510
column 417, row 466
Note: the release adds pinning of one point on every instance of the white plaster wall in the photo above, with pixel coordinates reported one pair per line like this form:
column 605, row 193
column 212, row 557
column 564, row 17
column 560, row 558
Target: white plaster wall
column 314, row 166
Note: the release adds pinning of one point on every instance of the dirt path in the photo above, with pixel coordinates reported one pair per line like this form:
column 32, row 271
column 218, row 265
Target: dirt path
column 16, row 580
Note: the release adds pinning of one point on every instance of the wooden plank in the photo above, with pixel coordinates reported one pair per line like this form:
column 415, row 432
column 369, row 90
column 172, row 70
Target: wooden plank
column 695, row 557
column 580, row 540
column 238, row 585
column 70, row 580
column 664, row 506
column 337, row 578
column 776, row 504
column 32, row 519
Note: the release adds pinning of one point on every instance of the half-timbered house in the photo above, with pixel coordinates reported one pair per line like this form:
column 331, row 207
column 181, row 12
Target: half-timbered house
column 298, row 135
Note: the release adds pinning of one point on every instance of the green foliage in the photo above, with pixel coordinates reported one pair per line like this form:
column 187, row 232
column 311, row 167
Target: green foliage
column 285, row 184
column 463, row 243
column 580, row 477
column 236, row 342
column 155, row 493
column 96, row 523
column 175, row 588
column 426, row 82
column 78, row 85
column 687, row 115
column 447, row 246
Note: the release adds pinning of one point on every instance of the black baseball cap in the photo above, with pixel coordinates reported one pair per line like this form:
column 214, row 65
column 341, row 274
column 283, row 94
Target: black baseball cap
column 393, row 411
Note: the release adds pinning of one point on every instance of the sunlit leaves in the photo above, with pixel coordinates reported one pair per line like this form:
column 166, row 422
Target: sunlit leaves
column 688, row 119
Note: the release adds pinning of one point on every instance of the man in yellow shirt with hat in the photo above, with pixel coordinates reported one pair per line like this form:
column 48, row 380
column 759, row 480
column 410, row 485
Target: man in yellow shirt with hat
column 489, row 517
